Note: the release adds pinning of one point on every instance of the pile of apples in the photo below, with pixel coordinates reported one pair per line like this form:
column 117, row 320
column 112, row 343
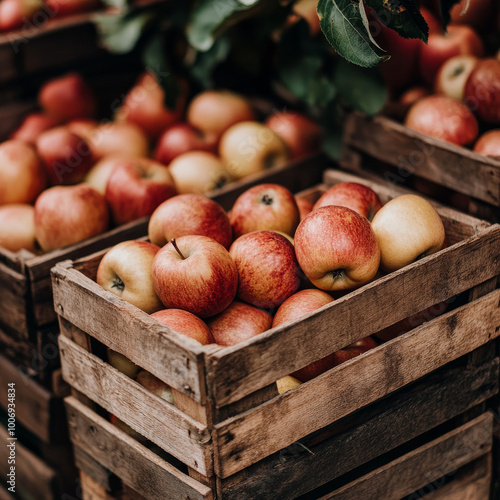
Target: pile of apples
column 65, row 177
column 458, row 100
column 226, row 277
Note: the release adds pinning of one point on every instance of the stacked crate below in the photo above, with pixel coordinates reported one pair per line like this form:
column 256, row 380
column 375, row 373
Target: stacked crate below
column 231, row 435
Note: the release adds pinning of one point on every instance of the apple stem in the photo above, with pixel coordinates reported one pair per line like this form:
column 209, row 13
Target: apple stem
column 267, row 200
column 176, row 247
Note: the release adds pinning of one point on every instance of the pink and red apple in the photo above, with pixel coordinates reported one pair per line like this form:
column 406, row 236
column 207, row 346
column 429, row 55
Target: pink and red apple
column 32, row 126
column 185, row 323
column 489, row 144
column 17, row 227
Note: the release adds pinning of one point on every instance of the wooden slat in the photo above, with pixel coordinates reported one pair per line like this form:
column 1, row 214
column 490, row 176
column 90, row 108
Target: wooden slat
column 239, row 370
column 13, row 296
column 36, row 407
column 34, row 478
column 92, row 490
column 423, row 465
column 4, row 494
column 172, row 357
column 243, row 440
column 84, row 462
column 151, row 416
column 128, row 459
column 370, row 433
column 446, row 164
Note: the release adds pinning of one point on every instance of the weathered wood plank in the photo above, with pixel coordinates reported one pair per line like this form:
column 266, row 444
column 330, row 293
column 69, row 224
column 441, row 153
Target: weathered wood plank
column 370, row 433
column 446, row 164
column 243, row 440
column 239, row 370
column 84, row 462
column 151, row 416
column 423, row 465
column 128, row 459
column 34, row 478
column 92, row 490
column 172, row 357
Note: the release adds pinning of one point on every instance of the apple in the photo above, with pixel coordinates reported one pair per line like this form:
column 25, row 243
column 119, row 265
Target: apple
column 32, row 126
column 70, row 7
column 304, row 205
column 268, row 207
column 185, row 323
column 125, row 270
column 155, row 385
column 358, row 197
column 475, row 13
column 17, row 227
column 348, row 353
column 98, row 176
column 145, row 107
column 68, row 97
column 136, row 187
column 239, row 322
column 187, row 214
column 337, row 248
column 65, row 215
column 22, row 177
column 413, row 94
column 214, row 111
column 13, row 13
column 287, row 383
column 408, row 228
column 482, row 90
column 82, row 127
column 67, row 158
column 178, row 139
column 431, row 20
column 122, row 363
column 316, row 368
column 444, row 118
column 267, row 268
column 440, row 47
column 306, row 9
column 301, row 134
column 453, row 74
column 195, row 273
column 365, row 343
column 489, row 144
column 198, row 172
column 124, row 139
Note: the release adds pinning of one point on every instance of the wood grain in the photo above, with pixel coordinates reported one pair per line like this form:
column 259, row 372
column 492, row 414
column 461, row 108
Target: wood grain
column 423, row 465
column 244, row 439
column 446, row 164
column 151, row 416
column 239, row 370
column 128, row 459
column 365, row 435
column 92, row 490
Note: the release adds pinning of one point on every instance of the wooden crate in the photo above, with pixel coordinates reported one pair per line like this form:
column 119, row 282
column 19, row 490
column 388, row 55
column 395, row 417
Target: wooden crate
column 228, row 418
column 44, row 458
column 400, row 155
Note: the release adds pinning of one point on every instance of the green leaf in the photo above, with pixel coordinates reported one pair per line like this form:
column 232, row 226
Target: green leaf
column 209, row 16
column 401, row 16
column 344, row 27
column 118, row 4
column 206, row 62
column 155, row 59
column 119, row 33
column 445, row 7
column 363, row 89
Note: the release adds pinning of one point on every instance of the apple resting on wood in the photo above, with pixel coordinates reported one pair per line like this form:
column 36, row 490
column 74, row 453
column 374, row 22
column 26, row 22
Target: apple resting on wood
column 185, row 323
column 17, row 227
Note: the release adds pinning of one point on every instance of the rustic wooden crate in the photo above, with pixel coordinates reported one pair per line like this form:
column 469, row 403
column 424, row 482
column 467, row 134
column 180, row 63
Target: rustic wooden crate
column 228, row 417
column 405, row 154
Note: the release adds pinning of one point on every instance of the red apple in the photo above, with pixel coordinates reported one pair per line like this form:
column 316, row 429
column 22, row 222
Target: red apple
column 214, row 111
column 365, row 343
column 145, row 107
column 482, row 90
column 441, row 46
column 178, row 139
column 136, row 187
column 122, row 363
column 443, row 118
column 17, row 227
column 476, row 13
column 68, row 97
column 489, row 144
column 13, row 13
column 301, row 134
column 98, row 176
column 65, row 215
column 239, row 322
column 155, row 385
column 70, row 7
column 125, row 270
column 33, row 125
column 304, row 205
column 185, row 323
column 453, row 74
column 197, row 274
column 348, row 353
column 337, row 248
column 187, row 214
column 198, row 172
column 82, row 127
column 316, row 368
column 358, row 197
column 431, row 20
column 268, row 207
column 412, row 95
column 22, row 177
column 250, row 147
column 267, row 268
column 67, row 158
